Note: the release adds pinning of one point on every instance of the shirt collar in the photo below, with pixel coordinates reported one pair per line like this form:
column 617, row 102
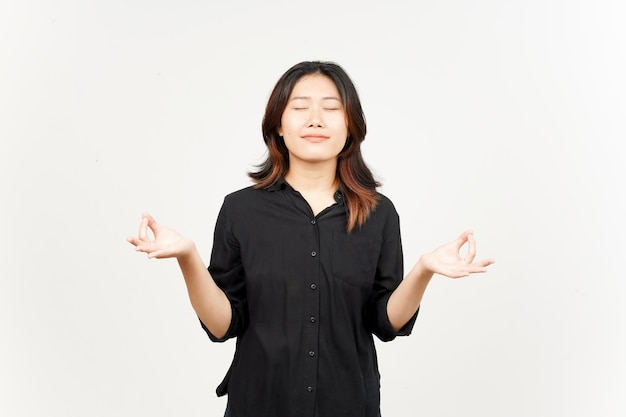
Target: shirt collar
column 339, row 197
column 281, row 184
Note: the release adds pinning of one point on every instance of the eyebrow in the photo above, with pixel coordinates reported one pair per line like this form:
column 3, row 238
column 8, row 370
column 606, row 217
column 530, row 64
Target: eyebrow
column 308, row 98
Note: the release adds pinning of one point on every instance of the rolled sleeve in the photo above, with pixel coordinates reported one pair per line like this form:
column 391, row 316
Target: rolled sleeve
column 389, row 273
column 227, row 272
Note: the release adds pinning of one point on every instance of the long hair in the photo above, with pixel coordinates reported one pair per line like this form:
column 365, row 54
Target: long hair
column 356, row 180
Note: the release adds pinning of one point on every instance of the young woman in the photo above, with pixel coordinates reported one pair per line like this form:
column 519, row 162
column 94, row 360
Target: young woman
column 306, row 264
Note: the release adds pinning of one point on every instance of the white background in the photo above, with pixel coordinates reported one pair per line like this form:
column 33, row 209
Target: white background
column 502, row 116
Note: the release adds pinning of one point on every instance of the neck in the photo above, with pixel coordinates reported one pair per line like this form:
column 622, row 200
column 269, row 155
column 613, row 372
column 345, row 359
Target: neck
column 316, row 183
column 312, row 177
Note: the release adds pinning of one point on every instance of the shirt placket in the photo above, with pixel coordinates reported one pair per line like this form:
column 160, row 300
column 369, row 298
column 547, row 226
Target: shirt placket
column 311, row 319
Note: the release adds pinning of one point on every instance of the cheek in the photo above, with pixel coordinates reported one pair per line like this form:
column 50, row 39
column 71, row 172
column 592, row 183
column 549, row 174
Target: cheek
column 343, row 144
column 342, row 123
column 287, row 125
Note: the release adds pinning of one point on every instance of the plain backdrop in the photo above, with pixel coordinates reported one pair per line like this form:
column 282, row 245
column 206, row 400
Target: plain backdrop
column 506, row 117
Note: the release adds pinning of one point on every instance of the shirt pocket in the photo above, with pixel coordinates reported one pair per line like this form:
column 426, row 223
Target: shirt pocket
column 354, row 258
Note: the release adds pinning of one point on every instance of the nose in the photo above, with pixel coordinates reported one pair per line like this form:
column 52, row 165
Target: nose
column 315, row 117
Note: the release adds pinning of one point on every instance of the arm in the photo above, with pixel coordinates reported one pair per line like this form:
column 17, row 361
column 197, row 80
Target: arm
column 207, row 299
column 445, row 260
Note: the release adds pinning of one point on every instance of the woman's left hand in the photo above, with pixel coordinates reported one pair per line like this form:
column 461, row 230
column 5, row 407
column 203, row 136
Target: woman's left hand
column 446, row 260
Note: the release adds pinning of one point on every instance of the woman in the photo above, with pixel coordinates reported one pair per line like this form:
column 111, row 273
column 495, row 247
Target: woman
column 306, row 264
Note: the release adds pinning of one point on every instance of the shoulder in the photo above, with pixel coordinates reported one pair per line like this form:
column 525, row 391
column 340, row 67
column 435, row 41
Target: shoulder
column 384, row 215
column 244, row 200
column 385, row 206
column 237, row 205
column 241, row 195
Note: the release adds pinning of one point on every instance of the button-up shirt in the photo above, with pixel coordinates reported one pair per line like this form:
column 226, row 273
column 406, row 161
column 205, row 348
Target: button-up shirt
column 306, row 299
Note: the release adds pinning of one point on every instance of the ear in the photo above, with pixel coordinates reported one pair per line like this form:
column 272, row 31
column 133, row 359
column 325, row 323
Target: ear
column 280, row 131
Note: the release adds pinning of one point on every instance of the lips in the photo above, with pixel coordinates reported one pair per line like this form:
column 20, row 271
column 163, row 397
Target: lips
column 315, row 138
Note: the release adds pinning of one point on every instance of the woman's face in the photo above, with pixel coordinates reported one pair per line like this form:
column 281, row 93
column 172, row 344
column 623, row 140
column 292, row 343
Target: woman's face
column 313, row 124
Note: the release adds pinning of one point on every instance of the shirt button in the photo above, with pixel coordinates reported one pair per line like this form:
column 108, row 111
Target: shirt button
column 313, row 286
column 313, row 221
column 310, row 389
column 311, row 353
column 313, row 253
column 312, row 319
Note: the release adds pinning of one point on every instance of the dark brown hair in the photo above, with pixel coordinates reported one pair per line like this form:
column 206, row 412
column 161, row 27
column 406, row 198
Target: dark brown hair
column 355, row 178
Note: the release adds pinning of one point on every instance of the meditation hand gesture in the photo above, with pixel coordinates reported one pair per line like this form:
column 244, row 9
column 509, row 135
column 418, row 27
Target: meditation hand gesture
column 446, row 260
column 166, row 244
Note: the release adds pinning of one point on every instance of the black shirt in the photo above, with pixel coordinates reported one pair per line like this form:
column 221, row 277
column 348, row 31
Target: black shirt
column 306, row 298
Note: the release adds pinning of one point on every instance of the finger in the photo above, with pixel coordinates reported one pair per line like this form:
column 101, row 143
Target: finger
column 471, row 250
column 143, row 228
column 143, row 247
column 464, row 272
column 152, row 224
column 460, row 273
column 155, row 254
column 133, row 240
column 460, row 241
column 485, row 262
column 151, row 250
column 479, row 267
column 159, row 253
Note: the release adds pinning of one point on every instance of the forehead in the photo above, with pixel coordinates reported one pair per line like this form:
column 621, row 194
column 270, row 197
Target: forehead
column 315, row 86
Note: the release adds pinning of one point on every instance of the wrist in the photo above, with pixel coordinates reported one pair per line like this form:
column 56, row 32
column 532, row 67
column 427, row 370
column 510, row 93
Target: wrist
column 421, row 270
column 188, row 252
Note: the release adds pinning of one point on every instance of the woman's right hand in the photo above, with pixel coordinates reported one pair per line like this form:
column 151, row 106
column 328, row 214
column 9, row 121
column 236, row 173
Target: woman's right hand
column 167, row 243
